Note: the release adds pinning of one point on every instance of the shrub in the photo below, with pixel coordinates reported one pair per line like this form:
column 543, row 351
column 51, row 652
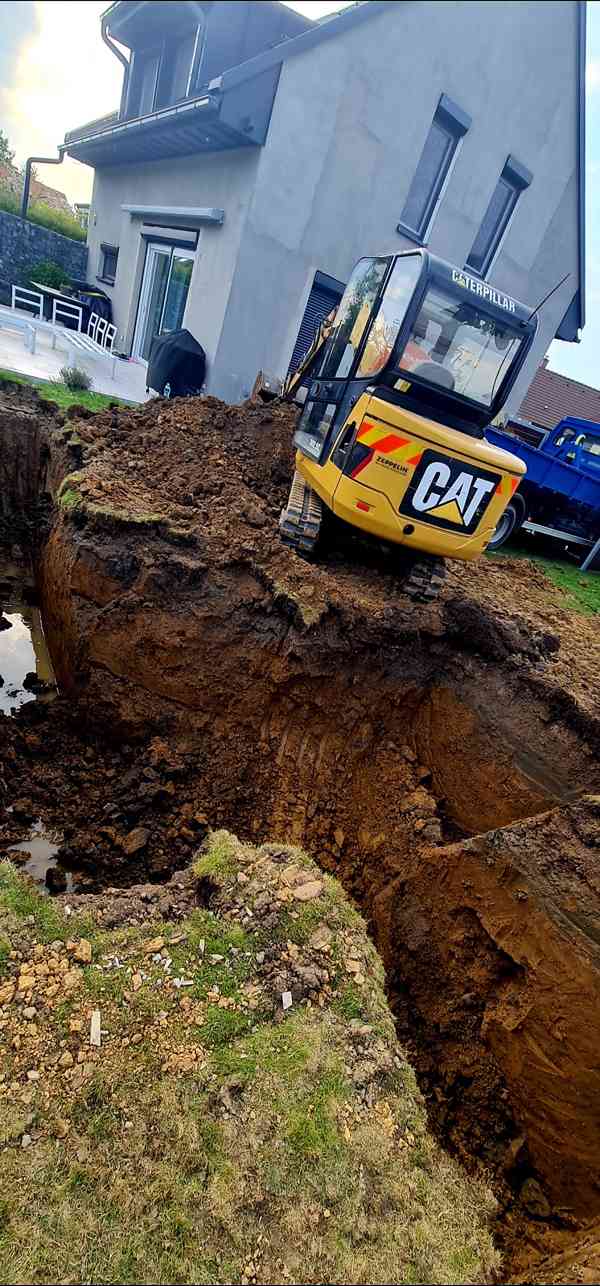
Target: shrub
column 49, row 274
column 75, row 378
column 56, row 220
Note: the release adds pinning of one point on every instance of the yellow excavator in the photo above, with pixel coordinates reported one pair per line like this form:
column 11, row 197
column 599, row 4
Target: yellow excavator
column 400, row 384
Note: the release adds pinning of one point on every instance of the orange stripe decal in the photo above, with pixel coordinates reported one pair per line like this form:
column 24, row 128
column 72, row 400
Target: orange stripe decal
column 414, row 459
column 389, row 443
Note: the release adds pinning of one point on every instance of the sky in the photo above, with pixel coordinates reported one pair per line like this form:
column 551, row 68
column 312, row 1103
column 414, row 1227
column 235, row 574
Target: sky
column 56, row 73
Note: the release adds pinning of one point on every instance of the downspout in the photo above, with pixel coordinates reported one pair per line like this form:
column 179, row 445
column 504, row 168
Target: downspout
column 37, row 160
column 122, row 59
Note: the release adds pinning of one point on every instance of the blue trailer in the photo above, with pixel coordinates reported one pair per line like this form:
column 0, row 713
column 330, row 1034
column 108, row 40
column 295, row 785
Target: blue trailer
column 560, row 494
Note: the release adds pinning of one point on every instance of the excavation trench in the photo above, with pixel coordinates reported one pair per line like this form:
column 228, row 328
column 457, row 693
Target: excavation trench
column 442, row 762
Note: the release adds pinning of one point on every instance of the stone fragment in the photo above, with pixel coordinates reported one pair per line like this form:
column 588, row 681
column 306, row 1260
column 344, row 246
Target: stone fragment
column 306, row 892
column 534, row 1199
column 136, row 840
column 66, row 1059
column 153, row 946
column 83, row 951
column 95, row 1031
column 321, row 938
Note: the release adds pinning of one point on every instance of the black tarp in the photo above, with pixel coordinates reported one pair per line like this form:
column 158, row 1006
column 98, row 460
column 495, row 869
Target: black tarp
column 177, row 364
column 93, row 300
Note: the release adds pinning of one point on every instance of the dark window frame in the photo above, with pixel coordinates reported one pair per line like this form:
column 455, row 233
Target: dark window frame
column 165, row 51
column 454, row 122
column 515, row 178
column 104, row 274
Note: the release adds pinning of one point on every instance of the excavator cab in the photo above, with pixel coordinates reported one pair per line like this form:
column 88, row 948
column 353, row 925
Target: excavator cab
column 419, row 358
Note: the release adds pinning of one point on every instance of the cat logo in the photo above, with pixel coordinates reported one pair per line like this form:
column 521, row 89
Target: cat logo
column 449, row 493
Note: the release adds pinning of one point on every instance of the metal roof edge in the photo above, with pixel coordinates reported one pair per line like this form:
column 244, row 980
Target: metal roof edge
column 137, row 122
column 323, row 30
column 581, row 66
column 573, row 320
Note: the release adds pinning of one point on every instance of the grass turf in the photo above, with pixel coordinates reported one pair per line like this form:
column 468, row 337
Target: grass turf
column 63, row 396
column 580, row 590
column 215, row 1137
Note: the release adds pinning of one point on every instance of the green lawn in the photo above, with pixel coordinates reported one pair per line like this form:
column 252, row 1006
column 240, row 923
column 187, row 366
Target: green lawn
column 63, row 396
column 581, row 589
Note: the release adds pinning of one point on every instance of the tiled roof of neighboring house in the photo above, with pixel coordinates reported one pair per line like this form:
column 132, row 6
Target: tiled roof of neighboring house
column 552, row 396
column 11, row 178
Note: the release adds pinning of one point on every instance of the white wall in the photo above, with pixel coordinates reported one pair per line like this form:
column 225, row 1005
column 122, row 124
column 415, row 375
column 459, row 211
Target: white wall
column 224, row 180
column 348, row 126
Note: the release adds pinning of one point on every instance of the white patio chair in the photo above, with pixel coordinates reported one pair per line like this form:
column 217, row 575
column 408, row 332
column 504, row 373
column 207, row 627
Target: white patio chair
column 97, row 343
column 28, row 299
column 62, row 312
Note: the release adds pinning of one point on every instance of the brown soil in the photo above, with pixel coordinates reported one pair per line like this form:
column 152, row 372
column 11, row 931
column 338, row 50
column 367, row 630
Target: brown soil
column 315, row 704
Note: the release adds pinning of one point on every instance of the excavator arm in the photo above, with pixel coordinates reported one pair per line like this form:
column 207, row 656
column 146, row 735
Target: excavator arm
column 296, row 378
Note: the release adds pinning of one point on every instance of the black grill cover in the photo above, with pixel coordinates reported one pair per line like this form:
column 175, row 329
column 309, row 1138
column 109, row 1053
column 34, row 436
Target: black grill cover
column 176, row 360
column 93, row 300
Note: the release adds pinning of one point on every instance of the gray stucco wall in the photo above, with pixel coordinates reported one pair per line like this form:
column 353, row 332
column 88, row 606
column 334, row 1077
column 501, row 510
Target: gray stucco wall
column 23, row 244
column 348, row 127
column 224, row 180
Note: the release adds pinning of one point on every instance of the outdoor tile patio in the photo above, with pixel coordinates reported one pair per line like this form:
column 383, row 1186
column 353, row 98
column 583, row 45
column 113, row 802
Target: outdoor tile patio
column 130, row 376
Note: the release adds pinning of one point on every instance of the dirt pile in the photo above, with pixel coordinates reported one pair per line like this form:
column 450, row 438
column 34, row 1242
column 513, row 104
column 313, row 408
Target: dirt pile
column 315, row 705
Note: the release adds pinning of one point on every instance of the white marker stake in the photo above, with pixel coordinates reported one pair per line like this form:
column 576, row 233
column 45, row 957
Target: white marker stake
column 95, row 1036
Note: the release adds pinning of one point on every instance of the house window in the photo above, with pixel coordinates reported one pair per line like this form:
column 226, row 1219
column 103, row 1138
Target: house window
column 513, row 180
column 144, row 78
column 182, row 65
column 448, row 127
column 108, row 263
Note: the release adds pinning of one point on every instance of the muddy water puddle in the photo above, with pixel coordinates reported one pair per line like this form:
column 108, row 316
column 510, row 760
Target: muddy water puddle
column 25, row 667
column 36, row 856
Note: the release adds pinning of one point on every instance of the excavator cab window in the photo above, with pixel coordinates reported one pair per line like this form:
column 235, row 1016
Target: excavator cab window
column 420, row 330
column 384, row 332
column 456, row 345
column 352, row 317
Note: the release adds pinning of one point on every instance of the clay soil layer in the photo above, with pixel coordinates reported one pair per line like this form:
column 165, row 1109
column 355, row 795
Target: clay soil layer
column 442, row 761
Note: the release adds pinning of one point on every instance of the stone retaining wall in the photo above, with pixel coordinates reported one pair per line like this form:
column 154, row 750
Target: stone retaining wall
column 23, row 244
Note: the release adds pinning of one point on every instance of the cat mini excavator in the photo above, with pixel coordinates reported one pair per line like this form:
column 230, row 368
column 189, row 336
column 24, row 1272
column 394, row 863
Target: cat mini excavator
column 400, row 384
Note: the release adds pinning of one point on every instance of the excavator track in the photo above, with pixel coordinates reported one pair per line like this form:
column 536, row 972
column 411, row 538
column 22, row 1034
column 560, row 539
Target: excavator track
column 424, row 580
column 300, row 521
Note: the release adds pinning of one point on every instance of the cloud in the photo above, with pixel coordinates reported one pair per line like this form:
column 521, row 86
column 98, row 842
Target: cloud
column 57, row 74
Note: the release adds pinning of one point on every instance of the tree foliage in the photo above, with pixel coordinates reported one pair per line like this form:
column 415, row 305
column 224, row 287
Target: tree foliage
column 7, row 155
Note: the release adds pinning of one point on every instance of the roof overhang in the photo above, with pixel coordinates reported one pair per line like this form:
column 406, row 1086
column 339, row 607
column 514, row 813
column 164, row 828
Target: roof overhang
column 226, row 116
column 192, row 216
column 130, row 20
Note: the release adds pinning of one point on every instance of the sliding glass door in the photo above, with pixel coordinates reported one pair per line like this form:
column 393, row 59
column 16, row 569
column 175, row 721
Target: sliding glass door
column 163, row 296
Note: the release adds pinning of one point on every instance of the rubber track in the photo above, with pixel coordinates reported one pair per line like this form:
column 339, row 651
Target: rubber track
column 424, row 580
column 300, row 521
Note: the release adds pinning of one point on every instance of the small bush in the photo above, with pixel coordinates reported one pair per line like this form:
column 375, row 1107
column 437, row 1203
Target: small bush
column 49, row 273
column 75, row 378
column 57, row 220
